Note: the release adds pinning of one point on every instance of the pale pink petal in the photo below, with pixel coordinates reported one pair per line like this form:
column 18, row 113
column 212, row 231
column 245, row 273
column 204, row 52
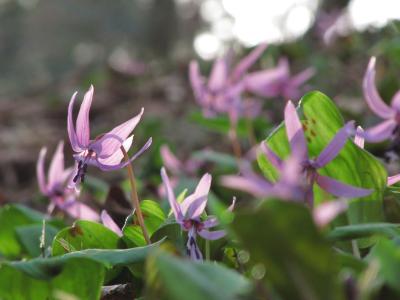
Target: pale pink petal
column 78, row 210
column 380, row 132
column 194, row 205
column 396, row 101
column 359, row 138
column 302, row 77
column 324, row 213
column 294, row 131
column 105, row 167
column 82, row 122
column 272, row 157
column 393, row 179
column 70, row 126
column 112, row 141
column 118, row 155
column 40, row 171
column 170, row 161
column 212, row 235
column 374, row 101
column 109, row 222
column 335, row 145
column 56, row 170
column 196, row 80
column 171, row 196
column 341, row 189
column 254, row 185
column 210, row 222
column 219, row 75
column 245, row 64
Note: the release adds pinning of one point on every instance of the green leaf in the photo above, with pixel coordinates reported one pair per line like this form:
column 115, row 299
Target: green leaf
column 351, row 232
column 353, row 165
column 84, row 235
column 30, row 236
column 11, row 217
column 153, row 218
column 79, row 278
column 183, row 279
column 282, row 237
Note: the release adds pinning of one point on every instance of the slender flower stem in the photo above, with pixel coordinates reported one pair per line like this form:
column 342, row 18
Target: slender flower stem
column 208, row 250
column 237, row 150
column 135, row 198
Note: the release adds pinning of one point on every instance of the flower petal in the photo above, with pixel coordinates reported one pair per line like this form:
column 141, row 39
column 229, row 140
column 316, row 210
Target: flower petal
column 100, row 162
column 194, row 205
column 219, row 75
column 70, row 126
column 294, row 131
column 118, row 156
column 109, row 222
column 341, row 189
column 112, row 141
column 335, row 145
column 253, row 185
column 196, row 80
column 272, row 157
column 56, row 170
column 40, row 171
column 396, row 101
column 212, row 235
column 176, row 209
column 359, row 138
column 324, row 213
column 393, row 179
column 78, row 210
column 210, row 222
column 82, row 122
column 245, row 64
column 374, row 101
column 170, row 161
column 380, row 132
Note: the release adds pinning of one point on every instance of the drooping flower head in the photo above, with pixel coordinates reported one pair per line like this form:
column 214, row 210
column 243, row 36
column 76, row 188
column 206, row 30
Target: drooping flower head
column 104, row 151
column 222, row 93
column 278, row 81
column 56, row 186
column 390, row 127
column 188, row 214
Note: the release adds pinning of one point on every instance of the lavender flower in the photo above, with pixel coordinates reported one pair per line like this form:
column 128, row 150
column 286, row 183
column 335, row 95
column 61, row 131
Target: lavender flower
column 278, row 81
column 391, row 114
column 298, row 144
column 56, row 186
column 188, row 214
column 104, row 151
column 222, row 92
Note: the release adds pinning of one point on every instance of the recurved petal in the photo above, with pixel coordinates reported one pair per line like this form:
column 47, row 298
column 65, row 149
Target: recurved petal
column 171, row 197
column 359, row 138
column 374, row 101
column 324, row 213
column 341, row 189
column 70, row 126
column 393, row 179
column 272, row 157
column 110, row 142
column 212, row 235
column 396, row 101
column 335, row 145
column 196, row 80
column 78, row 210
column 210, row 222
column 82, row 122
column 101, row 163
column 245, row 64
column 109, row 222
column 255, row 185
column 170, row 161
column 219, row 75
column 56, row 170
column 194, row 205
column 118, row 155
column 380, row 132
column 294, row 131
column 40, row 171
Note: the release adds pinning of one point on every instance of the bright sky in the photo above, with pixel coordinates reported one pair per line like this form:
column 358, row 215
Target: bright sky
column 255, row 21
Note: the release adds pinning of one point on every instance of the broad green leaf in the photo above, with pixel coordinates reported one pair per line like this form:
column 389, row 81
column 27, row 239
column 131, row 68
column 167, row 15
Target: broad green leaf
column 282, row 237
column 153, row 218
column 184, row 279
column 218, row 158
column 11, row 217
column 79, row 278
column 44, row 268
column 30, row 237
column 353, row 165
column 84, row 235
column 357, row 231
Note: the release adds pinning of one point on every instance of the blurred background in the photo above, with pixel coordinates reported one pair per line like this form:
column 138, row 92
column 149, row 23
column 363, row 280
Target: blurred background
column 136, row 54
